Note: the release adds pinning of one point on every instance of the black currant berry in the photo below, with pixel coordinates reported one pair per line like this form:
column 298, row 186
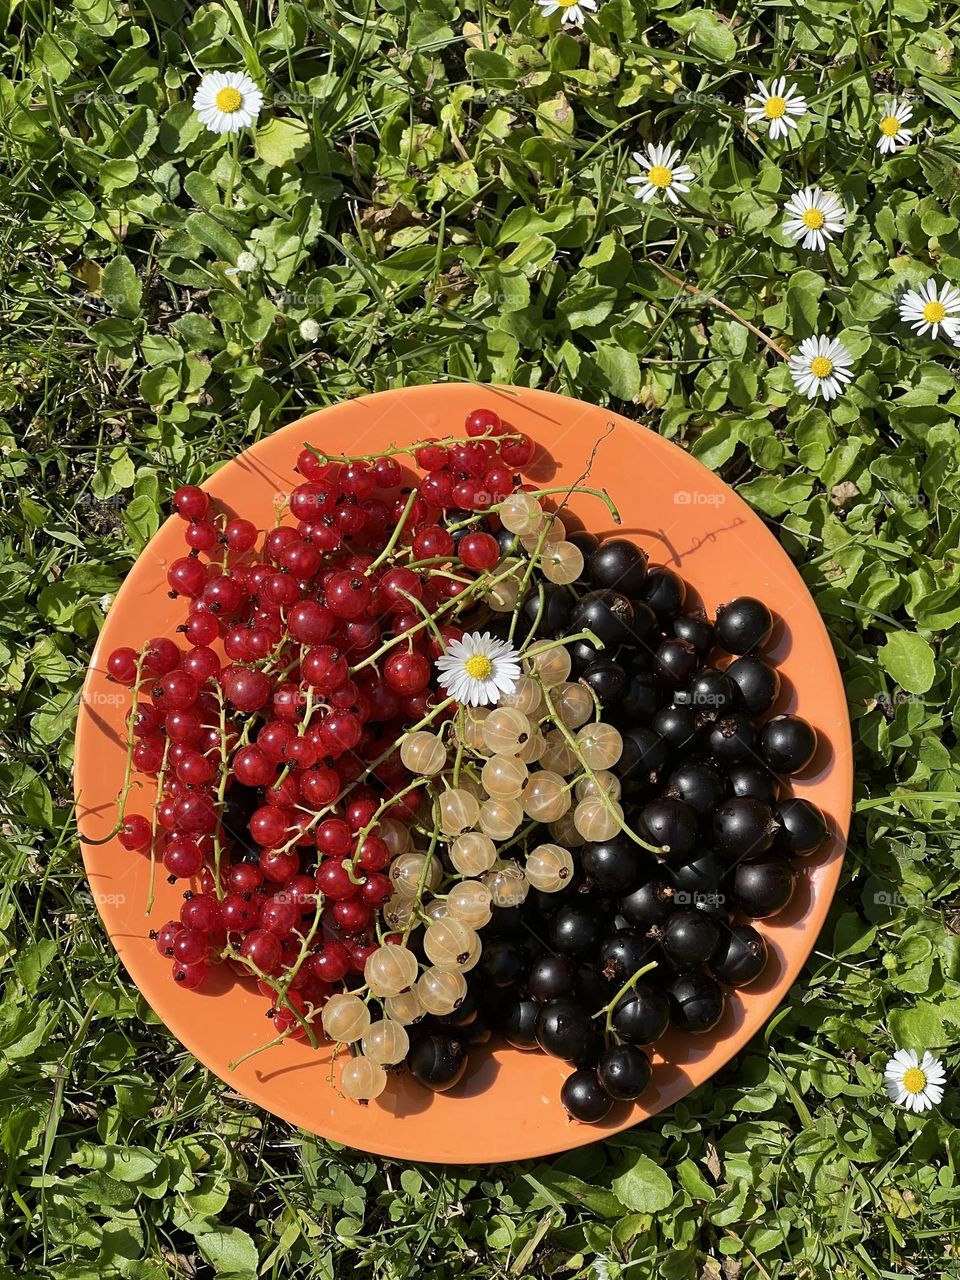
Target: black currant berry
column 582, row 654
column 624, row 1072
column 584, row 1097
column 642, row 627
column 648, row 905
column 787, row 744
column 608, row 614
column 744, row 826
column 664, row 591
column 762, row 887
column 517, row 1023
column 754, row 780
column 623, row 953
column 644, row 752
column 756, row 685
column 573, row 931
column 645, row 696
column 698, row 784
column 743, row 625
column 671, row 824
column 710, row 693
column 676, row 725
column 732, row 739
column 689, row 936
column 676, row 661
column 802, row 828
column 696, row 1002
column 643, row 1015
column 551, row 977
column 702, row 873
column 549, row 608
column 592, row 991
column 437, row 1060
column 509, row 543
column 619, row 564
column 616, row 866
column 696, row 629
column 607, row 679
column 503, row 961
column 741, row 956
column 566, row 1030
column 586, row 541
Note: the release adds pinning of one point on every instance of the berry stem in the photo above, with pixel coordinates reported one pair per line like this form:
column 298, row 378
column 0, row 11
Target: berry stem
column 630, row 983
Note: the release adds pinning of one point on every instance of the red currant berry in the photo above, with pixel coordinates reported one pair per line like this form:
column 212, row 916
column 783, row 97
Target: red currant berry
column 148, row 752
column 185, row 727
column 431, row 457
column 201, row 911
column 313, row 500
column 240, row 535
column 334, row 837
column 189, row 976
column 348, row 595
column 483, row 422
column 310, row 622
column 376, row 889
column 268, row 826
column 387, row 473
column 324, row 668
column 357, row 480
column 279, row 865
column 122, row 666
column 135, row 834
column 431, row 541
column 437, row 489
column 190, row 947
column 373, row 854
column 201, row 535
column 279, row 915
column 246, row 689
column 319, row 787
column 195, row 770
column 330, row 962
column 352, row 915
column 518, row 453
column 479, row 551
column 190, row 502
column 183, row 860
column 201, row 662
column 333, row 881
column 187, row 577
column 160, row 656
column 262, row 949
column 239, row 911
column 407, row 673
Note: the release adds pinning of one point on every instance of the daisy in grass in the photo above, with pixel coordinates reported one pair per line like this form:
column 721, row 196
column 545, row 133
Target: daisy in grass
column 779, row 106
column 893, row 131
column 813, row 217
column 227, row 101
column 913, row 1082
column 821, row 367
column 479, row 669
column 575, row 13
column 932, row 307
column 664, row 174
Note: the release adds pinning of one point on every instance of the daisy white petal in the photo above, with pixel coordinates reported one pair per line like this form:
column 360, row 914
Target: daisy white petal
column 663, row 173
column 894, row 115
column 912, row 1082
column 931, row 308
column 779, row 107
column 227, row 101
column 479, row 669
column 821, row 367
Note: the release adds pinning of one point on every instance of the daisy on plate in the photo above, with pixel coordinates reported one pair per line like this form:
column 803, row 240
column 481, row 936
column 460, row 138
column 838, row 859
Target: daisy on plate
column 779, row 106
column 932, row 307
column 893, row 131
column 813, row 217
column 479, row 669
column 664, row 174
column 821, row 367
column 913, row 1082
column 227, row 101
column 575, row 13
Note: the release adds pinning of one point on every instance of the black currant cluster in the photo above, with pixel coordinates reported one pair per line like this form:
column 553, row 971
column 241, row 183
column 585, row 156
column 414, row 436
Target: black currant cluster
column 701, row 777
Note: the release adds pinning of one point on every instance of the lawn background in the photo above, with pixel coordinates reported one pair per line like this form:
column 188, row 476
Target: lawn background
column 442, row 189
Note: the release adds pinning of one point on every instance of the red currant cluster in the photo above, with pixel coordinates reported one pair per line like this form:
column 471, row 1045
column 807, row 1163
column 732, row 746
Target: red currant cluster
column 308, row 662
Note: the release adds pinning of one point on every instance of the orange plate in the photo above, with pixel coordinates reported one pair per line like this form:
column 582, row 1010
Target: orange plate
column 508, row 1107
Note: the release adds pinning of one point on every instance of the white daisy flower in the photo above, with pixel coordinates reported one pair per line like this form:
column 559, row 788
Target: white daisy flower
column 932, row 307
column 245, row 262
column 105, row 602
column 664, row 174
column 892, row 122
column 309, row 330
column 779, row 106
column 821, row 367
column 574, row 13
column 815, row 217
column 227, row 101
column 479, row 669
column 912, row 1082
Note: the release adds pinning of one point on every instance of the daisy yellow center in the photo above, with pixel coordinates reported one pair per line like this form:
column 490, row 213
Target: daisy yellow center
column 660, row 176
column 889, row 126
column 813, row 219
column 821, row 366
column 934, row 312
column 914, row 1080
column 479, row 667
column 229, row 100
column 775, row 108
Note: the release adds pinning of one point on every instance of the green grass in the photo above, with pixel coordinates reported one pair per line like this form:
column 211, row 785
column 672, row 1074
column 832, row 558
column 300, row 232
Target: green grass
column 443, row 190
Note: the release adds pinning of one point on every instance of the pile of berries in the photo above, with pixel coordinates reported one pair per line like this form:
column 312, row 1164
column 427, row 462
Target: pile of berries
column 437, row 770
